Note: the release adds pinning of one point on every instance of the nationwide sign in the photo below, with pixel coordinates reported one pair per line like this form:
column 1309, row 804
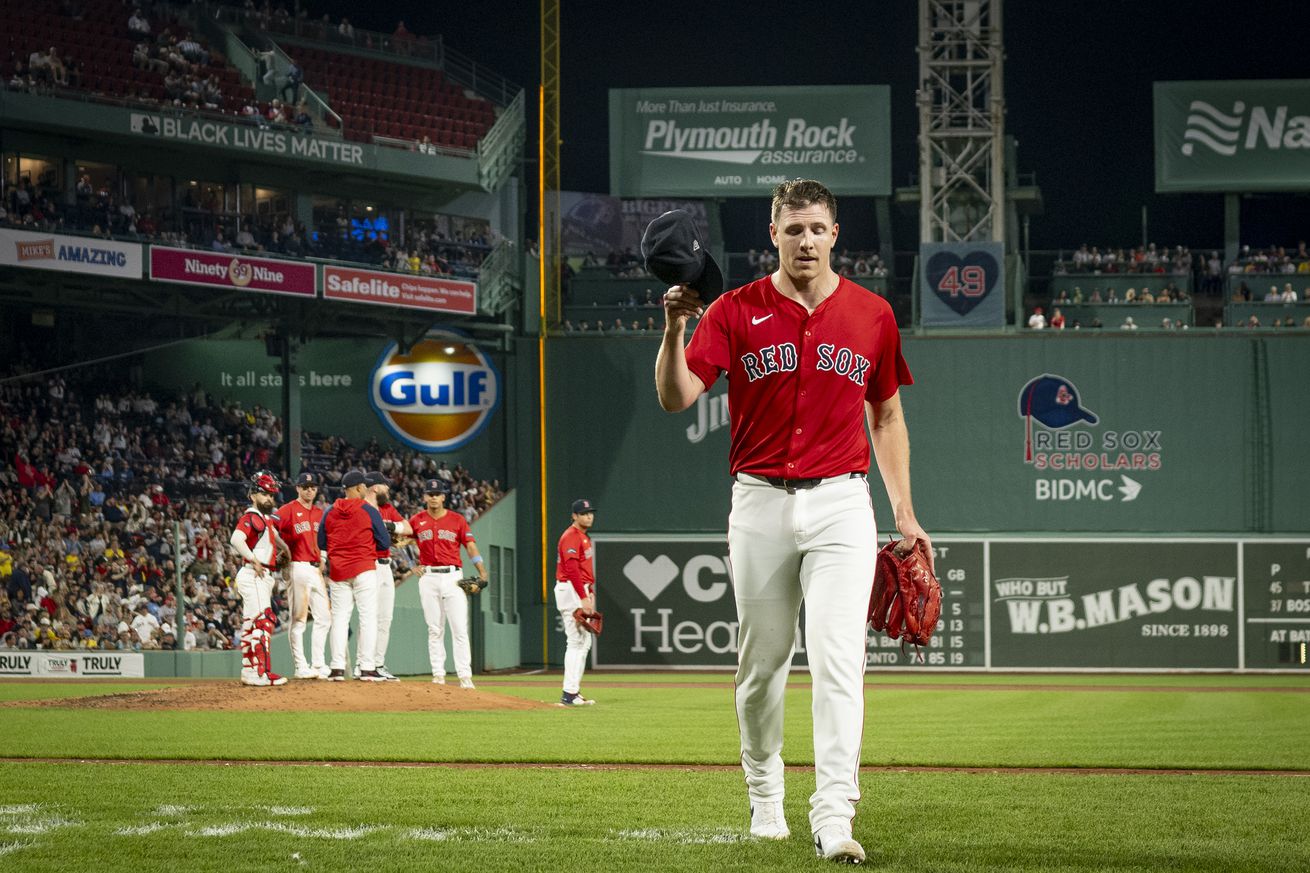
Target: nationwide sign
column 247, row 137
column 726, row 142
column 1250, row 135
column 232, row 272
column 70, row 254
column 432, row 293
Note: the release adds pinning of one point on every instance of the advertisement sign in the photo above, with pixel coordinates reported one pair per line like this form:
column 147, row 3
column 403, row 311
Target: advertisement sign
column 70, row 254
column 1247, row 135
column 598, row 224
column 962, row 284
column 736, row 142
column 668, row 603
column 432, row 293
column 71, row 665
column 226, row 271
column 437, row 396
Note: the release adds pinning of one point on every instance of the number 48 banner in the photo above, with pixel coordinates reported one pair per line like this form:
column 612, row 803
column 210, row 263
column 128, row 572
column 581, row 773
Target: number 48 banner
column 962, row 284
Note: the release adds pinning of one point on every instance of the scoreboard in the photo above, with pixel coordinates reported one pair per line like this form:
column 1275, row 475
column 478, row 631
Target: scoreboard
column 1009, row 603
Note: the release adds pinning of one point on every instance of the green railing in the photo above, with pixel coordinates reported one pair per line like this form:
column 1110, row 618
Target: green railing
column 499, row 150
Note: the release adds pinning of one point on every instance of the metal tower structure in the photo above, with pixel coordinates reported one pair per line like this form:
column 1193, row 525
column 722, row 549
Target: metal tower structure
column 961, row 121
column 548, row 159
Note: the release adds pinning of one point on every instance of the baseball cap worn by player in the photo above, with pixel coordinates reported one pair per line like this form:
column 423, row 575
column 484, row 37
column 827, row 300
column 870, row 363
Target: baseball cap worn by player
column 373, row 477
column 307, row 480
column 434, row 486
column 676, row 255
column 583, row 506
column 353, row 478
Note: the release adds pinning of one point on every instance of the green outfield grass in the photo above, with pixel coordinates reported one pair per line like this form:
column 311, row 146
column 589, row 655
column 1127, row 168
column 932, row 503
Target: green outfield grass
column 59, row 817
column 693, row 722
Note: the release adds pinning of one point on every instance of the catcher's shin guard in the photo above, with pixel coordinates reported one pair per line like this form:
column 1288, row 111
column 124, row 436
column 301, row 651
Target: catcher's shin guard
column 250, row 659
column 265, row 622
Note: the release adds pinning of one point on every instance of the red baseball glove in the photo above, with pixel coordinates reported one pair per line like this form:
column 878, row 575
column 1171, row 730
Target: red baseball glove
column 592, row 622
column 907, row 598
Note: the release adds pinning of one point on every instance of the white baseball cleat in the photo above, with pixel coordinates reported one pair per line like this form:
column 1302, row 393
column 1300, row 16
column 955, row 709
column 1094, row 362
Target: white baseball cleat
column 387, row 675
column 357, row 671
column 466, row 683
column 256, row 680
column 438, row 680
column 324, row 672
column 307, row 674
column 767, row 820
column 275, row 679
column 834, row 843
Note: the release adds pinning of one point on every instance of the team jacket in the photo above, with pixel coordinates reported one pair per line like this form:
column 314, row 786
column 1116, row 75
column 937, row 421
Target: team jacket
column 352, row 534
column 299, row 529
column 575, row 564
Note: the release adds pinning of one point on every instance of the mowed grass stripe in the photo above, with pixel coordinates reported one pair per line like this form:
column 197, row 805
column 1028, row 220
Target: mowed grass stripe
column 223, row 819
column 1241, row 730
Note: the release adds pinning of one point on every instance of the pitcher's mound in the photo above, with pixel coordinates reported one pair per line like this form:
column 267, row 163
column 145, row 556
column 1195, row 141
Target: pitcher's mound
column 306, row 695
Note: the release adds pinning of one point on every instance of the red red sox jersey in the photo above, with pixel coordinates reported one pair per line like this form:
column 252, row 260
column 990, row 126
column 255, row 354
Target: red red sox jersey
column 298, row 527
column 439, row 539
column 260, row 531
column 388, row 513
column 575, row 564
column 797, row 381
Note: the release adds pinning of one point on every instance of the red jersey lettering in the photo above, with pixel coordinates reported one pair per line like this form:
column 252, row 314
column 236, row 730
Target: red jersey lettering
column 298, row 528
column 798, row 381
column 575, row 563
column 439, row 539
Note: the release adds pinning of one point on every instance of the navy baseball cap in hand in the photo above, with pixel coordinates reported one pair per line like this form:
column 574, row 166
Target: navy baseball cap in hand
column 1053, row 400
column 676, row 255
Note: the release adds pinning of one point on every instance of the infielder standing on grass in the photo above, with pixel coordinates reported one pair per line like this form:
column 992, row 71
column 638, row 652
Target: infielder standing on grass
column 379, row 497
column 298, row 524
column 575, row 587
column 255, row 539
column 349, row 538
column 440, row 533
column 810, row 358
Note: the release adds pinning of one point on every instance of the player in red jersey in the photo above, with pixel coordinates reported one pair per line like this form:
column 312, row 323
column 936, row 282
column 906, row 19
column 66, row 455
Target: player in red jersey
column 575, row 586
column 440, row 533
column 298, row 523
column 350, row 537
column 810, row 359
column 256, row 541
column 379, row 496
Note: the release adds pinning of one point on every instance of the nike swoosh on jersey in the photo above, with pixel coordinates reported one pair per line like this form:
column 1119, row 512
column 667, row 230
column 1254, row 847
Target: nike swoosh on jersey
column 761, row 319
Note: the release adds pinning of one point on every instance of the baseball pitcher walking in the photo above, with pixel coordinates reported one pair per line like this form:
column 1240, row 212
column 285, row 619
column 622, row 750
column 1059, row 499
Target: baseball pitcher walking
column 298, row 524
column 575, row 586
column 810, row 359
column 440, row 533
column 350, row 537
column 255, row 539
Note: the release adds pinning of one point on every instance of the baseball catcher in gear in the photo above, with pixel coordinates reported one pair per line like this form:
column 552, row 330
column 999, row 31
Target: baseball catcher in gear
column 589, row 620
column 907, row 598
column 472, row 584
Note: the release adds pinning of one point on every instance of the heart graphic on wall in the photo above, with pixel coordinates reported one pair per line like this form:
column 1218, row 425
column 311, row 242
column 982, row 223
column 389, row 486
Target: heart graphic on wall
column 651, row 577
column 963, row 282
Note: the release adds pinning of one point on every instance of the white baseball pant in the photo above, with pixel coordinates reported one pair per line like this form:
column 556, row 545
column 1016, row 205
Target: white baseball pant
column 444, row 601
column 386, row 607
column 256, row 594
column 308, row 595
column 577, row 639
column 360, row 593
column 818, row 545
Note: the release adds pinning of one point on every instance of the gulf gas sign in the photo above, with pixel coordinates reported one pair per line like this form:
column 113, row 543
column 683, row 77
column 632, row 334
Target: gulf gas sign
column 437, row 396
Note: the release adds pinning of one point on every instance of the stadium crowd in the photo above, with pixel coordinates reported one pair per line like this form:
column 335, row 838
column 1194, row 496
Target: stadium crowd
column 105, row 498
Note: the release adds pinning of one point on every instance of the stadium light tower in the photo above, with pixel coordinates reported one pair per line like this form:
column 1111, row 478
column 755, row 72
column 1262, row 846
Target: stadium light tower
column 961, row 121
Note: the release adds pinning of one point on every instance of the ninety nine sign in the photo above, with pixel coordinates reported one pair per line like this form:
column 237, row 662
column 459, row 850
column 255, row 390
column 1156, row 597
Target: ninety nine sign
column 218, row 270
column 716, row 142
column 1248, row 135
column 399, row 289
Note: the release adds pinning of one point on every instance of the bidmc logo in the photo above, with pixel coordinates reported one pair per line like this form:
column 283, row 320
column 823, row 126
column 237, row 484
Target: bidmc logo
column 437, row 396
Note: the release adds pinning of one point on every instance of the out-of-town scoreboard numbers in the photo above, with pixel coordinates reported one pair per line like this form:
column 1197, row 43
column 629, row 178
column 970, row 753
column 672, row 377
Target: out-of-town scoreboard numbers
column 960, row 639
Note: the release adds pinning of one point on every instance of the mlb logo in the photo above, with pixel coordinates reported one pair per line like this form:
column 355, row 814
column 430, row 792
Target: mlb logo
column 147, row 124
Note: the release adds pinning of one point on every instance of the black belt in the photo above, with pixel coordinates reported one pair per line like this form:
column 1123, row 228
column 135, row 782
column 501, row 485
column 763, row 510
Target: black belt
column 384, row 560
column 442, row 569
column 791, row 486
